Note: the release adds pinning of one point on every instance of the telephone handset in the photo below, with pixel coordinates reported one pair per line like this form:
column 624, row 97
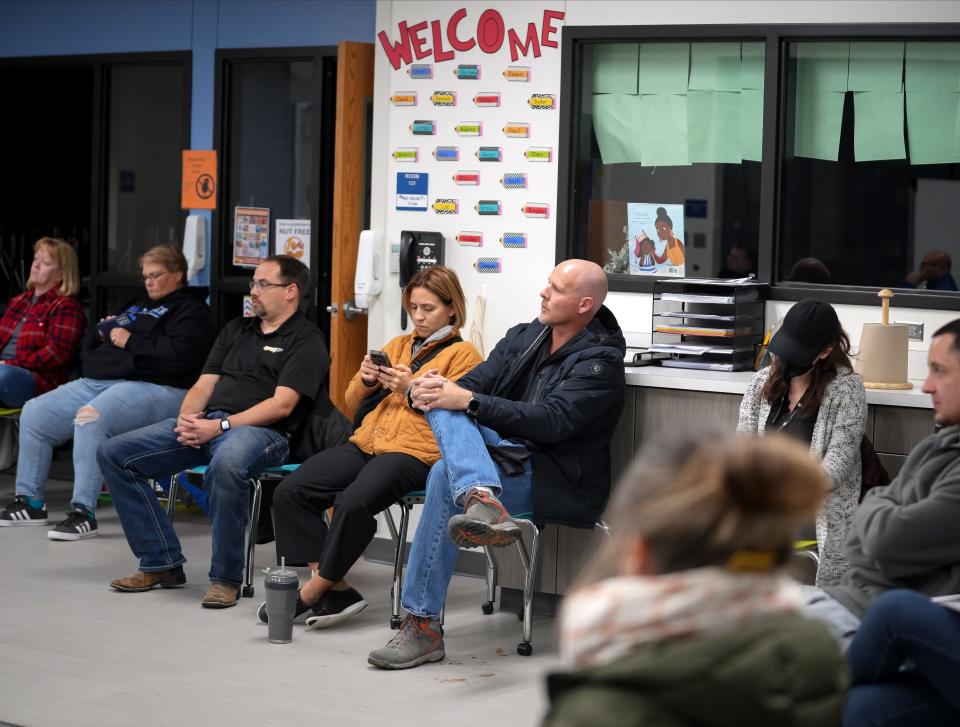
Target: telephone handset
column 418, row 251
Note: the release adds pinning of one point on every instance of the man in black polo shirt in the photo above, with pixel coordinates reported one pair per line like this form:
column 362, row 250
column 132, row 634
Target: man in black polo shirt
column 257, row 385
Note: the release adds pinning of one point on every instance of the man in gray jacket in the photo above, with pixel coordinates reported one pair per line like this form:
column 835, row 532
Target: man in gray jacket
column 904, row 535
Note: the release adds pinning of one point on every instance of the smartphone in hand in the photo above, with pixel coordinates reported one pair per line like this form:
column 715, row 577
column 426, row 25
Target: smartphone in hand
column 380, row 358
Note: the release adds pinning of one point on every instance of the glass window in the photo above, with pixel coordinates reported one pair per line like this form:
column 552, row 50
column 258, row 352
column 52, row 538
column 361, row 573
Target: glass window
column 271, row 146
column 871, row 167
column 668, row 157
column 146, row 133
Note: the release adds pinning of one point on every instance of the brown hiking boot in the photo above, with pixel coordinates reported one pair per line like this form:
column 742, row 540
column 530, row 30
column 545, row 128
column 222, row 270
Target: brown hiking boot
column 141, row 581
column 220, row 595
column 484, row 522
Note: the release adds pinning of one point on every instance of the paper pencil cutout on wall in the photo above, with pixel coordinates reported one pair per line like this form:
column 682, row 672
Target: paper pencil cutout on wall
column 539, row 154
column 404, row 98
column 470, row 239
column 536, row 209
column 517, row 130
column 467, row 72
column 420, row 71
column 443, row 98
column 487, row 99
column 542, row 101
column 446, row 154
column 517, row 73
column 514, row 239
column 446, row 206
column 514, row 180
column 467, row 178
column 488, row 207
column 489, row 154
column 487, row 265
column 422, row 127
column 406, row 154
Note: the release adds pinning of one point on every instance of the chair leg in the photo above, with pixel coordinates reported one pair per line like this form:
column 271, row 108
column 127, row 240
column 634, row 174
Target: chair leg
column 398, row 565
column 487, row 606
column 252, row 536
column 172, row 496
column 530, row 563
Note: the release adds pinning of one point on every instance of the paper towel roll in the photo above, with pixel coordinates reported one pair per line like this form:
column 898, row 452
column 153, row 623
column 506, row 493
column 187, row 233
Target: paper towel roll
column 882, row 359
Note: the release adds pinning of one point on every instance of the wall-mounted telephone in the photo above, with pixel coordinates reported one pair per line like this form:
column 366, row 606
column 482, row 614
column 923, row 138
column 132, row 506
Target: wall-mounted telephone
column 418, row 251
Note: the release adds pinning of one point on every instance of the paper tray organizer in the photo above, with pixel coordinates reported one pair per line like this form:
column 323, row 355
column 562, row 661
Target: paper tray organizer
column 708, row 324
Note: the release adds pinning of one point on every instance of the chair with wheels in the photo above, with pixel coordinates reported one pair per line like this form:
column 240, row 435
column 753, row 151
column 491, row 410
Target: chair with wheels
column 270, row 477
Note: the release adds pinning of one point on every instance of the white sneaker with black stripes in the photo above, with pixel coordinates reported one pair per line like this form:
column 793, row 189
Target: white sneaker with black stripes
column 80, row 524
column 19, row 512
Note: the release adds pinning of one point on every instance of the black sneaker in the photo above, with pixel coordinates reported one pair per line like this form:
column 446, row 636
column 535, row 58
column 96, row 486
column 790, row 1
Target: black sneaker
column 334, row 607
column 80, row 524
column 298, row 610
column 19, row 512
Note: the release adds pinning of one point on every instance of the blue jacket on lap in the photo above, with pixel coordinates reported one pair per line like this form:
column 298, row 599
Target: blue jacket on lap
column 570, row 420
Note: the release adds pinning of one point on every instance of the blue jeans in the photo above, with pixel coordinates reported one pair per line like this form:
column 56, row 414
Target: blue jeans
column 905, row 664
column 464, row 464
column 16, row 386
column 841, row 622
column 233, row 457
column 48, row 421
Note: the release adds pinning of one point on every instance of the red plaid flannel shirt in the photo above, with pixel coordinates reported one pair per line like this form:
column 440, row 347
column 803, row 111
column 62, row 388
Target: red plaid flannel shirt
column 49, row 338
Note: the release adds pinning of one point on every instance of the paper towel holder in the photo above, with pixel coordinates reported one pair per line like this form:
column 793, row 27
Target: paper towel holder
column 883, row 356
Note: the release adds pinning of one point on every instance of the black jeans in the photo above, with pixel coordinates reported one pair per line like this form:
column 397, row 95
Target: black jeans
column 358, row 486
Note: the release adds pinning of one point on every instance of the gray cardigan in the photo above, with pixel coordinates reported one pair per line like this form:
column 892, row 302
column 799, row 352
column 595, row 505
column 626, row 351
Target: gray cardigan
column 837, row 434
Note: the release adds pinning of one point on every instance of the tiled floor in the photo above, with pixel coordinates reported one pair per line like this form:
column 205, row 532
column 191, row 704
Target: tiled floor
column 75, row 652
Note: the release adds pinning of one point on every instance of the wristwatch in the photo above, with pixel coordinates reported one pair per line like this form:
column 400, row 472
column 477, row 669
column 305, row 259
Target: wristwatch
column 224, row 425
column 473, row 406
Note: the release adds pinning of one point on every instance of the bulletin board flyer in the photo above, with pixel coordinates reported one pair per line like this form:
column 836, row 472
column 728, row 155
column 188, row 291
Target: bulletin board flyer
column 251, row 236
column 655, row 236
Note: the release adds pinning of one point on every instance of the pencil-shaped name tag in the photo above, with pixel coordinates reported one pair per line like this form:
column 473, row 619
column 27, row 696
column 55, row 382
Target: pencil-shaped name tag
column 488, row 207
column 467, row 72
column 470, row 239
column 406, row 154
column 514, row 180
column 444, row 98
column 491, row 98
column 517, row 130
column 469, row 128
column 517, row 73
column 487, row 265
column 514, row 239
column 489, row 154
column 536, row 209
column 542, row 101
column 420, row 71
column 465, row 178
column 447, row 154
column 404, row 98
column 539, row 154
column 446, row 206
column 422, row 127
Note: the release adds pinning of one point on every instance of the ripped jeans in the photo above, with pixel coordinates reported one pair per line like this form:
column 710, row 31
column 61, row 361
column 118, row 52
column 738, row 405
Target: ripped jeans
column 90, row 411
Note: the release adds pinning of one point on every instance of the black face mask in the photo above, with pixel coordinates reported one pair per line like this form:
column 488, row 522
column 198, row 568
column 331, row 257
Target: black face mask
column 790, row 370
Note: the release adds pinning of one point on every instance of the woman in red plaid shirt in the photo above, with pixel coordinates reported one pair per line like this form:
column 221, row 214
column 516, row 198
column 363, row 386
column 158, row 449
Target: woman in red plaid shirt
column 41, row 329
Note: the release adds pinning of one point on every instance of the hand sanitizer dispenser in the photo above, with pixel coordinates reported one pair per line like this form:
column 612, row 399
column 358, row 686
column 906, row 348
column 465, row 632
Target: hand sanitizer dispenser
column 195, row 244
column 368, row 280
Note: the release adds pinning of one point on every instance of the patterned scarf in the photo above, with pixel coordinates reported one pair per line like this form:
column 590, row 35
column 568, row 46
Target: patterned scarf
column 610, row 619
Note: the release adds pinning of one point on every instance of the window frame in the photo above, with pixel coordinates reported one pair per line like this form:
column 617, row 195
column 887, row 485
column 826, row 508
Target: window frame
column 571, row 229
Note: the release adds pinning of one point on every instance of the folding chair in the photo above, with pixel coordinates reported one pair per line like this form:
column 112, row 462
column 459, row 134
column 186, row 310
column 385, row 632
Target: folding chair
column 271, row 475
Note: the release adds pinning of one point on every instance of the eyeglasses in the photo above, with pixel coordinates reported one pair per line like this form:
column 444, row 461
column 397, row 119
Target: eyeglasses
column 154, row 276
column 264, row 284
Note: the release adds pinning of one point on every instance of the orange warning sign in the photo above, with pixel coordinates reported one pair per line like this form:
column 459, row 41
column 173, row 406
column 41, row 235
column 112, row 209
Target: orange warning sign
column 199, row 191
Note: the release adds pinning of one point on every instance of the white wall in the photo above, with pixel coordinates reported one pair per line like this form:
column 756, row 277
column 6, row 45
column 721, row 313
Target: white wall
column 513, row 298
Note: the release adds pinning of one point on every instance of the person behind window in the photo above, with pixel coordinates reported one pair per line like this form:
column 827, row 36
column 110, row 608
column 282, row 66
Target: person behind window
column 811, row 393
column 933, row 273
column 905, row 664
column 673, row 250
column 137, row 365
column 42, row 326
column 809, row 270
column 388, row 456
column 741, row 260
column 685, row 617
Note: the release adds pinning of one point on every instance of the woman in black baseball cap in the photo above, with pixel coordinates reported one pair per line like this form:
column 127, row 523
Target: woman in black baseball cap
column 810, row 392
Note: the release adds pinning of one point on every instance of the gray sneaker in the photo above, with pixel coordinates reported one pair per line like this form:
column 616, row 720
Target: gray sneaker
column 485, row 522
column 418, row 641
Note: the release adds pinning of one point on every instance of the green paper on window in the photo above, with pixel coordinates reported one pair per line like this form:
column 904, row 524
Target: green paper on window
column 823, row 66
column 616, row 122
column 751, row 125
column 615, row 67
column 713, row 127
column 932, row 67
column 663, row 130
column 714, row 67
column 878, row 126
column 751, row 65
column 932, row 127
column 664, row 68
column 817, row 125
column 876, row 67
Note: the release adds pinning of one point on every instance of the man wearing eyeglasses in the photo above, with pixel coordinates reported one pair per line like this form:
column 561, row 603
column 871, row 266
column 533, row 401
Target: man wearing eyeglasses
column 137, row 366
column 259, row 381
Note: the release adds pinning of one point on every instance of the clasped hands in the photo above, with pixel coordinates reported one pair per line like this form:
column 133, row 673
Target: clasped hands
column 432, row 391
column 195, row 430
